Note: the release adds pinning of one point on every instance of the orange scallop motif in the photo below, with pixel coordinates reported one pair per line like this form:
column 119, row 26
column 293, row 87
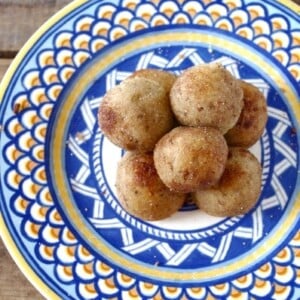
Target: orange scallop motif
column 172, row 290
column 105, row 266
column 220, row 286
column 281, row 270
column 49, row 61
column 55, row 232
column 102, row 32
column 107, row 15
column 85, row 252
column 263, row 45
column 17, row 179
column 17, row 128
column 118, row 35
column 237, row 21
column 70, row 235
column 56, row 216
column 191, row 11
column 84, row 45
column 43, row 211
column 215, row 15
column 279, row 57
column 35, row 228
column 41, row 98
column 295, row 58
column 99, row 45
column 35, row 188
column 242, row 279
column 131, row 5
column 71, row 250
column 260, row 283
column 223, row 26
column 16, row 154
column 126, row 278
column 24, row 203
column 296, row 252
column 276, row 25
column 53, row 78
column 278, row 43
column 294, row 73
column 231, row 5
column 258, row 30
column 282, row 254
column 243, row 33
column 90, row 288
column 253, row 14
column 49, row 251
column 296, row 41
column 68, row 60
column 30, row 165
column 110, row 282
column 65, row 43
column 133, row 293
column 139, row 27
column 85, row 27
column 279, row 289
column 68, row 271
column 35, row 82
column 40, row 154
column 235, row 293
column 88, row 268
column 124, row 22
column 181, row 20
column 159, row 22
column 169, row 12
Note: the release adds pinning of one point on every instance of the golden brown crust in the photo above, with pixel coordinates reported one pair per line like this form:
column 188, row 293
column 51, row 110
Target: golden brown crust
column 190, row 158
column 207, row 95
column 136, row 114
column 141, row 192
column 238, row 189
column 165, row 79
column 253, row 118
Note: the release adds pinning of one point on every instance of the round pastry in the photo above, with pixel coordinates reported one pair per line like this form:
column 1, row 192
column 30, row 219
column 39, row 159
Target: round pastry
column 238, row 189
column 189, row 158
column 252, row 120
column 140, row 190
column 207, row 95
column 136, row 114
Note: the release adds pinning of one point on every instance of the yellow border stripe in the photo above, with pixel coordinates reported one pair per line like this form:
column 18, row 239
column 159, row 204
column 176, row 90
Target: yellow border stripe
column 59, row 144
column 5, row 234
column 291, row 5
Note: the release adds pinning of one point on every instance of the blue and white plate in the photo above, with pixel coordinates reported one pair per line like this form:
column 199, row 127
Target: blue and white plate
column 60, row 217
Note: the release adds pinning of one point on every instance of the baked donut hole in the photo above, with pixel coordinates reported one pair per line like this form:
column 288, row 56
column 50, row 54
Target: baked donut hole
column 238, row 189
column 136, row 114
column 141, row 192
column 189, row 158
column 252, row 120
column 207, row 95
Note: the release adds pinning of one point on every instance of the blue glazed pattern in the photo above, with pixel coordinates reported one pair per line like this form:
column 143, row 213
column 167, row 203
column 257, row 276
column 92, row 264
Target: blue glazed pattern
column 35, row 213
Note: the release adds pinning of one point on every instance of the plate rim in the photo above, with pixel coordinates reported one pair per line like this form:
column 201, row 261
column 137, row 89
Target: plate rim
column 8, row 240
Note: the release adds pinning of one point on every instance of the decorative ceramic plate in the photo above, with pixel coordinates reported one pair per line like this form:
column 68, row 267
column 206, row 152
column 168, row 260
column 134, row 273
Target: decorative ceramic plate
column 60, row 217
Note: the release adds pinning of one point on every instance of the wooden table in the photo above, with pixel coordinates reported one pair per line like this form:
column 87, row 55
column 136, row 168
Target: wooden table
column 18, row 20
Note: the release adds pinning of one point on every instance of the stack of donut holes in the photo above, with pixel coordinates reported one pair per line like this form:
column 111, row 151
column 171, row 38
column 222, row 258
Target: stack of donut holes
column 185, row 137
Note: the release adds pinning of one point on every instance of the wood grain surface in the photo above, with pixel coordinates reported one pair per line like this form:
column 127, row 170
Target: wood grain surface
column 19, row 19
